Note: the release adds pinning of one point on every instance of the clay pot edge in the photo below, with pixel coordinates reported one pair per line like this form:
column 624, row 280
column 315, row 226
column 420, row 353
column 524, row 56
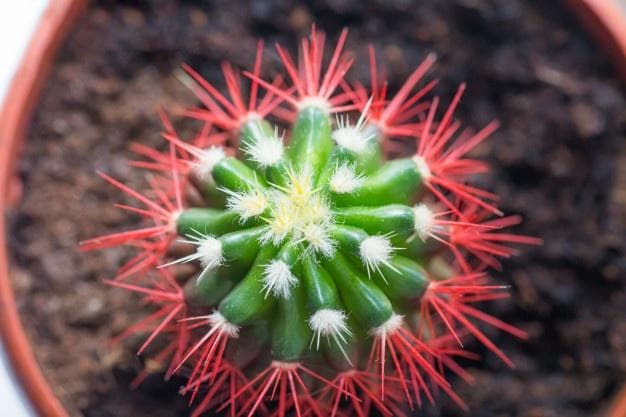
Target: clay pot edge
column 14, row 116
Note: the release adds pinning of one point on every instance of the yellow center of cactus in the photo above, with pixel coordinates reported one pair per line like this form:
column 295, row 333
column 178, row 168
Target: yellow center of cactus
column 299, row 210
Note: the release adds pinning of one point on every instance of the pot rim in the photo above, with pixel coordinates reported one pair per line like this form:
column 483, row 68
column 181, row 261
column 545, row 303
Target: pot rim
column 603, row 18
column 14, row 117
column 618, row 408
column 606, row 21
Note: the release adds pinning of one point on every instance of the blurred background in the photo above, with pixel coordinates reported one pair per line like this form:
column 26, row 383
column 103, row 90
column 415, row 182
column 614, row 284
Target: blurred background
column 559, row 160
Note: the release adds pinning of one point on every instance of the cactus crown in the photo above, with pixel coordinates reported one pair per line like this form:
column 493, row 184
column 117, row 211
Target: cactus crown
column 323, row 280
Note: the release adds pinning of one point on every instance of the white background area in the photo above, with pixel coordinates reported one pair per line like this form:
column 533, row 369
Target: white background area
column 18, row 20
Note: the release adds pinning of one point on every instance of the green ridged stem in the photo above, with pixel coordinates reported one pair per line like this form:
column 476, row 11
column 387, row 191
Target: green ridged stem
column 366, row 161
column 394, row 219
column 242, row 246
column 397, row 181
column 371, row 158
column 417, row 248
column 290, row 333
column 320, row 286
column 311, row 144
column 349, row 237
column 289, row 253
column 239, row 250
column 207, row 221
column 210, row 287
column 404, row 280
column 245, row 303
column 278, row 174
column 364, row 299
column 236, row 176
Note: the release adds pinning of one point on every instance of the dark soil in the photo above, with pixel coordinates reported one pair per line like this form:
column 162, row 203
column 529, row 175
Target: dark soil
column 559, row 159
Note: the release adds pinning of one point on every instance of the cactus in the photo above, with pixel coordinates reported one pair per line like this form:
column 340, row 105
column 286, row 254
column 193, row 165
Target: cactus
column 329, row 278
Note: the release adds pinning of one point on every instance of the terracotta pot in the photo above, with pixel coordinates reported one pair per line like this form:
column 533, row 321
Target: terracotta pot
column 603, row 18
column 14, row 117
column 606, row 21
column 618, row 409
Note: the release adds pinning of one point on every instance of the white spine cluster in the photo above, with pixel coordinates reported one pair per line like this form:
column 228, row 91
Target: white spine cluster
column 376, row 251
column 208, row 252
column 315, row 101
column 266, row 151
column 354, row 138
column 318, row 238
column 298, row 210
column 207, row 159
column 422, row 167
column 278, row 279
column 330, row 323
column 345, row 180
column 281, row 220
column 218, row 322
column 424, row 222
column 389, row 327
column 246, row 204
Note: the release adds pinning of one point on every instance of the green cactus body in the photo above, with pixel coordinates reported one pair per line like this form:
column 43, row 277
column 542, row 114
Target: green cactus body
column 320, row 262
column 325, row 245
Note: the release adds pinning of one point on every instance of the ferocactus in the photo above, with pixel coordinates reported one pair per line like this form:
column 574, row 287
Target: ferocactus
column 330, row 279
